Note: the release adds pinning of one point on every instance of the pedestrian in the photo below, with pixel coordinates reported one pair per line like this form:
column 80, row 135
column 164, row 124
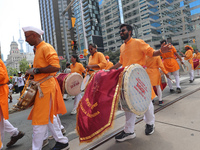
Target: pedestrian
column 109, row 63
column 134, row 51
column 67, row 69
column 172, row 66
column 97, row 60
column 20, row 82
column 10, row 86
column 189, row 57
column 78, row 68
column 46, row 105
column 153, row 66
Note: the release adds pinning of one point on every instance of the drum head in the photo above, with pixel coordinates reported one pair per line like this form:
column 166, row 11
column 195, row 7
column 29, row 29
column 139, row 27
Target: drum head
column 137, row 89
column 85, row 82
column 73, row 84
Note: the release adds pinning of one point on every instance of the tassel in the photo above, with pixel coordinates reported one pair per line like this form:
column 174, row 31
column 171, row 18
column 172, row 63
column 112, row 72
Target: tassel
column 40, row 92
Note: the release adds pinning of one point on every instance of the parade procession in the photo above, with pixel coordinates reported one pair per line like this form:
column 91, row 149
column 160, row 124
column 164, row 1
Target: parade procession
column 141, row 94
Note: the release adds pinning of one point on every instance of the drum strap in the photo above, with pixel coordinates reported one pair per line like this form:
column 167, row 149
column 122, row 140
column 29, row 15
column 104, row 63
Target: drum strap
column 169, row 58
column 38, row 85
column 2, row 84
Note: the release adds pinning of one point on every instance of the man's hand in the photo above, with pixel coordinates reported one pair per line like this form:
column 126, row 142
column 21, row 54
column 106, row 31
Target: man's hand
column 30, row 71
column 167, row 75
column 166, row 47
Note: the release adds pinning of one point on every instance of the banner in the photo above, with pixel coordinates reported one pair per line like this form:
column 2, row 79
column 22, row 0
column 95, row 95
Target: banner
column 97, row 108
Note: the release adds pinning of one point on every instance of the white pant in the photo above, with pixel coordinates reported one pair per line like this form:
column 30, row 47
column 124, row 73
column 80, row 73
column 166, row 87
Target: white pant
column 77, row 100
column 191, row 75
column 176, row 75
column 10, row 129
column 149, row 118
column 1, row 127
column 39, row 132
column 59, row 124
column 159, row 92
column 197, row 71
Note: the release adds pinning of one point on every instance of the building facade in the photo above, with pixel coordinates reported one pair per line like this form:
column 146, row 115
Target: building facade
column 15, row 56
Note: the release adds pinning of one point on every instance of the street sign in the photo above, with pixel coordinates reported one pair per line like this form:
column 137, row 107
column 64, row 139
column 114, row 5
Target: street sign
column 83, row 59
column 81, row 56
column 61, row 57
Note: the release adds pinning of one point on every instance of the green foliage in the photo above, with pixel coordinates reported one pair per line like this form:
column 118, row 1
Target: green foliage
column 23, row 65
column 11, row 71
column 194, row 47
column 113, row 56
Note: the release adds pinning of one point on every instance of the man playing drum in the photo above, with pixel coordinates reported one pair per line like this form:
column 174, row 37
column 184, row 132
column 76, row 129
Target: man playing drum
column 189, row 57
column 153, row 64
column 172, row 66
column 78, row 68
column 131, row 52
column 46, row 105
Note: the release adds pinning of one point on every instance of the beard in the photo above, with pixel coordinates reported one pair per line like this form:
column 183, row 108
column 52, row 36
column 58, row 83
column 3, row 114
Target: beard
column 125, row 36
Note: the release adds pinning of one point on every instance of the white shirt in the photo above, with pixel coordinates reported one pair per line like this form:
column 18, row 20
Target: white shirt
column 20, row 81
column 67, row 70
column 10, row 87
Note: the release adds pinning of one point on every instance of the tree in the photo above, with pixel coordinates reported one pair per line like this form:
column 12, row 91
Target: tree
column 113, row 56
column 23, row 65
column 11, row 71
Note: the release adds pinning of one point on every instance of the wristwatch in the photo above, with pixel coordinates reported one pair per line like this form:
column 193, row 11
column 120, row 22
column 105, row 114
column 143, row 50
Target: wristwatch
column 36, row 70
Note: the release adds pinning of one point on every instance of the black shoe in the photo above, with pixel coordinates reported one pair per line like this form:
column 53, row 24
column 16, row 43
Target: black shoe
column 61, row 146
column 191, row 81
column 125, row 136
column 160, row 103
column 149, row 129
column 178, row 90
column 153, row 101
column 172, row 91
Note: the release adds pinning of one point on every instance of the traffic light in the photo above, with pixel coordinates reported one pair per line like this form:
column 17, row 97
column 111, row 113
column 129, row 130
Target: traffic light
column 85, row 52
column 193, row 40
column 74, row 45
column 73, row 20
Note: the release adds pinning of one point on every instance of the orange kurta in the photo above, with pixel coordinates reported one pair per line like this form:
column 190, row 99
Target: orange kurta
column 78, row 68
column 189, row 57
column 45, row 55
column 196, row 56
column 0, row 140
column 108, row 65
column 4, row 90
column 153, row 64
column 170, row 62
column 97, row 59
column 134, row 52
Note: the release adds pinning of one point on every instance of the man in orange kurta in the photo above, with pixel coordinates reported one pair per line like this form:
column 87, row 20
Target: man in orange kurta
column 135, row 51
column 152, row 68
column 3, row 98
column 172, row 66
column 189, row 57
column 109, row 63
column 46, row 106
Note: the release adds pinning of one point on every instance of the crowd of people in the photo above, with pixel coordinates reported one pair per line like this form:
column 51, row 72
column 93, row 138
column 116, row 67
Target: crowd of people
column 44, row 113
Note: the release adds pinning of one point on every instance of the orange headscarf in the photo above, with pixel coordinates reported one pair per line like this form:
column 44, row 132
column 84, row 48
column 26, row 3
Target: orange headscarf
column 190, row 48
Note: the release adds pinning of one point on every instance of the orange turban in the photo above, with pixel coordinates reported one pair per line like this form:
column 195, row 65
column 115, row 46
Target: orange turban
column 189, row 48
column 107, row 57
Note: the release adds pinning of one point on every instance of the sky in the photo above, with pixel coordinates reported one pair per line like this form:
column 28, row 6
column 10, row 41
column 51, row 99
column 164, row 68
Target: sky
column 15, row 14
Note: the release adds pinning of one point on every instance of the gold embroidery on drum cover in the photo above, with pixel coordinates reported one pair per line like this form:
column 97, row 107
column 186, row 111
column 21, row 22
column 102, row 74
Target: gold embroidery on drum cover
column 91, row 106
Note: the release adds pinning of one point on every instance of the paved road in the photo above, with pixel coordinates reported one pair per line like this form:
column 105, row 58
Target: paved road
column 19, row 119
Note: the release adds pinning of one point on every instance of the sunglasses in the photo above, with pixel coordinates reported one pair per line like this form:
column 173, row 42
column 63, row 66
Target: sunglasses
column 122, row 30
column 90, row 49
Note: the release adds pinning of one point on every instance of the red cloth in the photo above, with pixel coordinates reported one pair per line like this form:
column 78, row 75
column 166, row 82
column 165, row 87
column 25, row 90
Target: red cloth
column 196, row 63
column 61, row 80
column 162, row 86
column 96, row 109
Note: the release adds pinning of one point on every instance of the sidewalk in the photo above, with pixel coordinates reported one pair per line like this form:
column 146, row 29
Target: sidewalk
column 177, row 126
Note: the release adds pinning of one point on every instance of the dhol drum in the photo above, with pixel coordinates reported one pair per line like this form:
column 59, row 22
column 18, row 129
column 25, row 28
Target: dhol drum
column 85, row 82
column 135, row 92
column 28, row 96
column 163, row 82
column 184, row 68
column 70, row 82
column 196, row 64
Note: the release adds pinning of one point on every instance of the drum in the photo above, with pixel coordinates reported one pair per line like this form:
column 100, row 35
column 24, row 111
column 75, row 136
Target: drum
column 28, row 96
column 135, row 92
column 163, row 82
column 196, row 64
column 85, row 82
column 184, row 68
column 70, row 82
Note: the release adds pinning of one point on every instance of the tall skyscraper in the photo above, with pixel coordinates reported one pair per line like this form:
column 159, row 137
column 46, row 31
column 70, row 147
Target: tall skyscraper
column 88, row 24
column 21, row 41
column 111, row 18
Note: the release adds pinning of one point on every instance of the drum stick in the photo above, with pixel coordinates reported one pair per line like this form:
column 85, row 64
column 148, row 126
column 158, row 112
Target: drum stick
column 172, row 80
